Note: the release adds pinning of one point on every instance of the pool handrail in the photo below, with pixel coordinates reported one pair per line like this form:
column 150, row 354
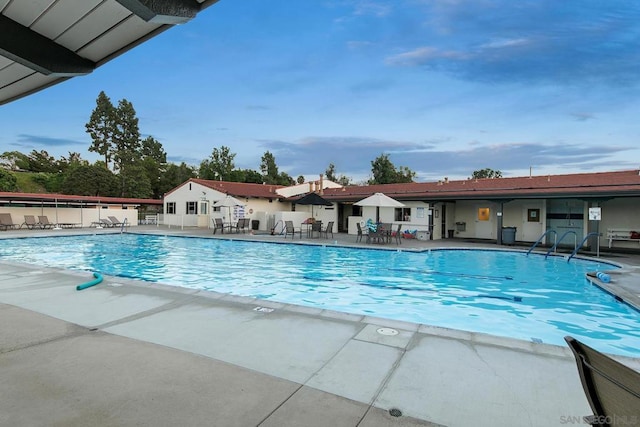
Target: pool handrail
column 555, row 236
column 575, row 241
column 575, row 251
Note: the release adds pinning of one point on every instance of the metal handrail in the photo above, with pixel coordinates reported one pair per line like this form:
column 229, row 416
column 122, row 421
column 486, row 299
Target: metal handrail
column 575, row 251
column 575, row 242
column 555, row 235
column 273, row 229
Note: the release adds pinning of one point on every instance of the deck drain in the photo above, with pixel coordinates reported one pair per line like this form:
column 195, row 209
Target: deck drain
column 395, row 412
column 387, row 331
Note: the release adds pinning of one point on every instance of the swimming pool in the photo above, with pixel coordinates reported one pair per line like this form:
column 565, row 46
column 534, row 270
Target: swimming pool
column 502, row 293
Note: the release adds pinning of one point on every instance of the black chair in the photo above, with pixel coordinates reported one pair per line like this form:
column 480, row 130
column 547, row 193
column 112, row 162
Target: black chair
column 316, row 227
column 612, row 389
column 328, row 230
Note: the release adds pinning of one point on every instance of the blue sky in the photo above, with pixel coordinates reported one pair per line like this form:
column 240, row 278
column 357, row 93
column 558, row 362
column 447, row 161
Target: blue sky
column 445, row 87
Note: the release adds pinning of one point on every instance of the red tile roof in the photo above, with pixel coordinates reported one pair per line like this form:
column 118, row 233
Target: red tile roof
column 601, row 184
column 237, row 189
column 46, row 197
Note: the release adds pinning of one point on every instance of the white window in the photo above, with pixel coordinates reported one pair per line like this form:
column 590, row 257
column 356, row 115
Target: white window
column 170, row 208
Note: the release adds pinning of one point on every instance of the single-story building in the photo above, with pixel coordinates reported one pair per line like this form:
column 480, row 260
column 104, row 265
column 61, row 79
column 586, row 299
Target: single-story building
column 572, row 207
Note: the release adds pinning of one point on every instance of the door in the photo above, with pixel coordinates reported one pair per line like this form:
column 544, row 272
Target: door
column 532, row 224
column 485, row 223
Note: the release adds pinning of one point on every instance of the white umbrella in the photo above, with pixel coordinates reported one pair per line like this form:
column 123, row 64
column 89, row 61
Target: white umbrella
column 228, row 202
column 379, row 200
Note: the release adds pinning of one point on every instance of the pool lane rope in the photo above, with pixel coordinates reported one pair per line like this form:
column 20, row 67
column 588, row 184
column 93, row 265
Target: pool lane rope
column 98, row 279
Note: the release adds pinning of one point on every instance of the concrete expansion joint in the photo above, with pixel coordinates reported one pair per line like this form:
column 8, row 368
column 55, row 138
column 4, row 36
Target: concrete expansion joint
column 280, row 405
column 76, row 334
column 146, row 313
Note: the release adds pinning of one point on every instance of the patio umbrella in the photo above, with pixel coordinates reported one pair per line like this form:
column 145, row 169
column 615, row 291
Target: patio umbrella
column 228, row 202
column 379, row 200
column 313, row 199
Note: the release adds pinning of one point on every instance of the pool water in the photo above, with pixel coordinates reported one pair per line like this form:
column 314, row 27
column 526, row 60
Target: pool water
column 504, row 293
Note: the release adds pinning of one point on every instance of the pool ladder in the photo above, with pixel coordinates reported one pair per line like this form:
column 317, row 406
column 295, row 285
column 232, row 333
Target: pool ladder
column 575, row 251
column 273, row 229
column 555, row 237
column 555, row 246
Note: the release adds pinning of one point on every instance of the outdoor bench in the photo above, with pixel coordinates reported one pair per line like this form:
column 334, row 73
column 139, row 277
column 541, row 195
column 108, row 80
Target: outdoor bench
column 622, row 234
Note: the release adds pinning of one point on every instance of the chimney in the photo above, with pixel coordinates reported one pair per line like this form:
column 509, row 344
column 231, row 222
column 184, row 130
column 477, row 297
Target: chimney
column 446, row 179
column 321, row 186
column 310, row 186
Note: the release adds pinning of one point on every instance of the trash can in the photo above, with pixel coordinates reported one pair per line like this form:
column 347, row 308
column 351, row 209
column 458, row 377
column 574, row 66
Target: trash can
column 450, row 234
column 255, row 224
column 508, row 235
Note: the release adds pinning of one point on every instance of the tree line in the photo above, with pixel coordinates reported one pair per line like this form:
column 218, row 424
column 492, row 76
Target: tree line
column 133, row 166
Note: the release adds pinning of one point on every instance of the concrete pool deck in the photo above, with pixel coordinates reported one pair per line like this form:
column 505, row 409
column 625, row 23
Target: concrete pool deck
column 131, row 353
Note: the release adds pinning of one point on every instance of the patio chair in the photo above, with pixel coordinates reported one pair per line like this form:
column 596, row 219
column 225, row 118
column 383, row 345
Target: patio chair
column 43, row 220
column 30, row 222
column 398, row 235
column 6, row 222
column 290, row 229
column 388, row 229
column 360, row 232
column 612, row 389
column 379, row 235
column 246, row 225
column 316, row 227
column 218, row 224
column 328, row 229
column 238, row 226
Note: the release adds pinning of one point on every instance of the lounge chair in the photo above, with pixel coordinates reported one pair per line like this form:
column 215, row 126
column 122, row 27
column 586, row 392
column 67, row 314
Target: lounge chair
column 218, row 224
column 290, row 229
column 6, row 222
column 43, row 220
column 612, row 389
column 101, row 223
column 116, row 222
column 328, row 230
column 30, row 222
